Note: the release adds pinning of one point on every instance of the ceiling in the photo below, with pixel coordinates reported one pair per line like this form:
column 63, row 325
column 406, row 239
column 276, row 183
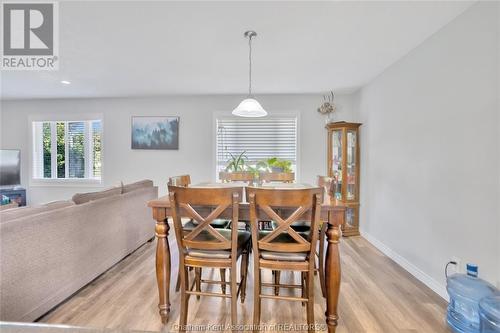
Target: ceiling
column 139, row 48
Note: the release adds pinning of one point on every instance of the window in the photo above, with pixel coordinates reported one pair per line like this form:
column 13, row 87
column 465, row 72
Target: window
column 259, row 138
column 67, row 149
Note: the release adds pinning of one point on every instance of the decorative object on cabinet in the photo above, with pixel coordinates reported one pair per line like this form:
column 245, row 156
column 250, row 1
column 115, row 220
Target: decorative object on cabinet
column 343, row 167
column 155, row 132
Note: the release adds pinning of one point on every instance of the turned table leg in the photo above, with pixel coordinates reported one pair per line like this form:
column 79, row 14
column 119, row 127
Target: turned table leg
column 163, row 267
column 332, row 270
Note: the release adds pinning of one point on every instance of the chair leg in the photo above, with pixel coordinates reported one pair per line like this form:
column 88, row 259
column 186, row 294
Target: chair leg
column 234, row 295
column 304, row 286
column 310, row 302
column 184, row 300
column 223, row 280
column 178, row 282
column 244, row 273
column 256, row 295
column 321, row 242
column 277, row 275
column 197, row 276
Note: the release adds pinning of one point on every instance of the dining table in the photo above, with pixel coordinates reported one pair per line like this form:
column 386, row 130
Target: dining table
column 332, row 213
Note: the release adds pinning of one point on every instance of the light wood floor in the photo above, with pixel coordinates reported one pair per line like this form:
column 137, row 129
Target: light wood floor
column 376, row 296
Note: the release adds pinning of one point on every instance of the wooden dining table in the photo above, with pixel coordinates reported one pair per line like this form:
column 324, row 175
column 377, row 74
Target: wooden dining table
column 331, row 213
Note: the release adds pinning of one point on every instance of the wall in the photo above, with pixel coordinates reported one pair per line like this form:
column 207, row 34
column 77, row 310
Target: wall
column 430, row 152
column 196, row 152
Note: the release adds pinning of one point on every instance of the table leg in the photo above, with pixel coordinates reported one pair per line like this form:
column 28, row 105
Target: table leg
column 332, row 271
column 163, row 267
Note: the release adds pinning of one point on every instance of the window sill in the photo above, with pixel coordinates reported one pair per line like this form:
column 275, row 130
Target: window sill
column 74, row 182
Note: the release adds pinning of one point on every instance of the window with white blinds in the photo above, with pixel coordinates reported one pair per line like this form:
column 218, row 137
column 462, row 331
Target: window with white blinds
column 259, row 138
column 67, row 149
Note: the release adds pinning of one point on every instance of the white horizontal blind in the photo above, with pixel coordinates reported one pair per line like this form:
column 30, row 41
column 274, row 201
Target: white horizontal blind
column 260, row 138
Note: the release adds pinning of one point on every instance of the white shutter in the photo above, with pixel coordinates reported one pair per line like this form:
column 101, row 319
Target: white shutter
column 78, row 155
column 260, row 138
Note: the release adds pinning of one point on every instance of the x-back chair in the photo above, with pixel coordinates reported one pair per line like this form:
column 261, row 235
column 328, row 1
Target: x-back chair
column 185, row 181
column 284, row 248
column 327, row 183
column 206, row 246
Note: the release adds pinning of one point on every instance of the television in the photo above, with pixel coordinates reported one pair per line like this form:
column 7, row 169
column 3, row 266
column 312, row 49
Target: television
column 10, row 167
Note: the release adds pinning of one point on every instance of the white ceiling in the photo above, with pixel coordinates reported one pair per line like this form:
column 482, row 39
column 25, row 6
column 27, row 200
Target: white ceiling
column 125, row 48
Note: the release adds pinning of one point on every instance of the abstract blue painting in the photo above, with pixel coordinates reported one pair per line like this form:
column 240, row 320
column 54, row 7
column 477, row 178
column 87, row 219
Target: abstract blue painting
column 155, row 132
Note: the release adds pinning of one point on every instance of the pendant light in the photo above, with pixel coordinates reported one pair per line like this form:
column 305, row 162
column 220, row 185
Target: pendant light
column 249, row 107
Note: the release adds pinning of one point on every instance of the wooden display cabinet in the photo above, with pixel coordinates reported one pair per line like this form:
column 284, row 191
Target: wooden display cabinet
column 343, row 167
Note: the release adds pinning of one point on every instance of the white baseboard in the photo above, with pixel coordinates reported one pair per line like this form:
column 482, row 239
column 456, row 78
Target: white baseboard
column 435, row 286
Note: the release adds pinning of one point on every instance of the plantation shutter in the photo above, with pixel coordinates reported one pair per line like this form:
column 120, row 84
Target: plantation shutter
column 67, row 149
column 76, row 149
column 259, row 138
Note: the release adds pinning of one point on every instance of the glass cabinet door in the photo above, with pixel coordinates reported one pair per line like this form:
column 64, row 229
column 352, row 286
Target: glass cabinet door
column 337, row 162
column 351, row 165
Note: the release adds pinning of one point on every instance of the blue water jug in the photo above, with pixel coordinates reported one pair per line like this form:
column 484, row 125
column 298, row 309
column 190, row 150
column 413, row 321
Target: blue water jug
column 489, row 314
column 466, row 290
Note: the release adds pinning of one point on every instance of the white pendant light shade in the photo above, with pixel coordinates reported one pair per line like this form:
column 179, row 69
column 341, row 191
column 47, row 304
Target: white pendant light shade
column 249, row 108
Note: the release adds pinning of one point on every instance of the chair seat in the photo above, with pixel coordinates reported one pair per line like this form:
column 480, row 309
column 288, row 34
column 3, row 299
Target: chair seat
column 299, row 226
column 243, row 238
column 216, row 223
column 283, row 256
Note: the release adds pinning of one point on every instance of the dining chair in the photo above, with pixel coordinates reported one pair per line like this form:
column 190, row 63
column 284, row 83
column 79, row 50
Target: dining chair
column 182, row 180
column 185, row 181
column 282, row 177
column 284, row 249
column 209, row 247
column 328, row 185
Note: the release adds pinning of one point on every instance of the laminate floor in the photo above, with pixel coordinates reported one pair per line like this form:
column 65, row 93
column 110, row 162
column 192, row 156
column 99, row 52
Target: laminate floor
column 376, row 295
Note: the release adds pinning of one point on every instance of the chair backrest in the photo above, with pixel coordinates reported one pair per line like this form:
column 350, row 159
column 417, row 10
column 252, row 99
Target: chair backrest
column 285, row 206
column 284, row 177
column 182, row 180
column 204, row 205
column 237, row 176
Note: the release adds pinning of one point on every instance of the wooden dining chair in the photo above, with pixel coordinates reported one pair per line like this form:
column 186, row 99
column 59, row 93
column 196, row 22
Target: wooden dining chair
column 182, row 180
column 281, row 177
column 185, row 181
column 327, row 184
column 284, row 249
column 206, row 246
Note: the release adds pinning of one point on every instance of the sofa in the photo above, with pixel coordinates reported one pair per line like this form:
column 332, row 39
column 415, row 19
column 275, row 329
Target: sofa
column 49, row 252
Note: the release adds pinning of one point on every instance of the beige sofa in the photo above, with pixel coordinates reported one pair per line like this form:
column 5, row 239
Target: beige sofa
column 49, row 252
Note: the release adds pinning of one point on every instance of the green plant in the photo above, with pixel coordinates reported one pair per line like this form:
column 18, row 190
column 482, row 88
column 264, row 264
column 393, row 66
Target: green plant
column 278, row 163
column 236, row 163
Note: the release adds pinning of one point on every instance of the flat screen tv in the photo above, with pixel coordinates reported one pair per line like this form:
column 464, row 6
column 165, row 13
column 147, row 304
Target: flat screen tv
column 10, row 167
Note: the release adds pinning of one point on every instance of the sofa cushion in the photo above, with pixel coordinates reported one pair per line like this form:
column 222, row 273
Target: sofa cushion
column 19, row 212
column 80, row 198
column 137, row 185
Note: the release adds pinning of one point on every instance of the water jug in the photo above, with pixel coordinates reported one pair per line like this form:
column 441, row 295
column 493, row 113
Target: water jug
column 466, row 290
column 489, row 314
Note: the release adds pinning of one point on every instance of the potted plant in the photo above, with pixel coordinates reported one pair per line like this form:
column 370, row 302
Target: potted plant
column 275, row 170
column 236, row 163
column 237, row 169
column 279, row 165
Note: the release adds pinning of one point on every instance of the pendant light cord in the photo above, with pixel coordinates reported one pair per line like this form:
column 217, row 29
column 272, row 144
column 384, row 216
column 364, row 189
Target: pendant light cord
column 249, row 65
